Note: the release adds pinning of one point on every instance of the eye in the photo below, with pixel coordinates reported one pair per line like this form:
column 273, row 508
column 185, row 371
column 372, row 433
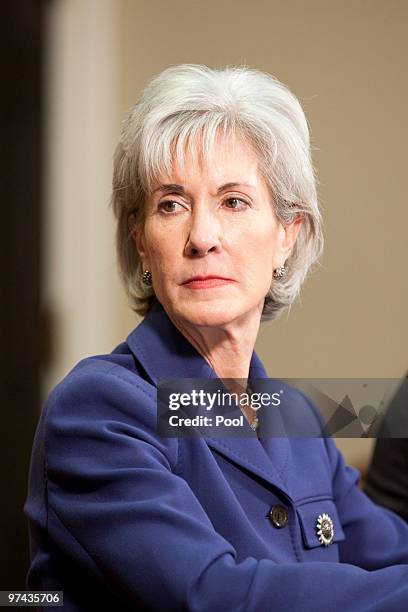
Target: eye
column 236, row 204
column 169, row 206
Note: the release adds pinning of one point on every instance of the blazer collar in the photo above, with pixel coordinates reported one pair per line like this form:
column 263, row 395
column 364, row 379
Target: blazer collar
column 163, row 352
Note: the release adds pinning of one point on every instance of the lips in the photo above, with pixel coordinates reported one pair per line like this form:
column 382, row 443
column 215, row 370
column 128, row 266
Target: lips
column 206, row 282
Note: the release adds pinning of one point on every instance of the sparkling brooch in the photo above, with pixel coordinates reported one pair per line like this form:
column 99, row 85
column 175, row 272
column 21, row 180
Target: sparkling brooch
column 325, row 529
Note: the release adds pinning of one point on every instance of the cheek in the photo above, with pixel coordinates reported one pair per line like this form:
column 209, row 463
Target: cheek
column 164, row 260
column 259, row 244
column 256, row 255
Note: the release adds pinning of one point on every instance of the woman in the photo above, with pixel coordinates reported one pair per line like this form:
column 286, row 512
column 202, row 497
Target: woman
column 218, row 225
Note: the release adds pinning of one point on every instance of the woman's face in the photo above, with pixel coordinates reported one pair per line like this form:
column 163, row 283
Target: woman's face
column 211, row 239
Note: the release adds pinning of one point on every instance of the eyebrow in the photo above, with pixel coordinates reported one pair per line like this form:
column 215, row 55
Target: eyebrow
column 175, row 188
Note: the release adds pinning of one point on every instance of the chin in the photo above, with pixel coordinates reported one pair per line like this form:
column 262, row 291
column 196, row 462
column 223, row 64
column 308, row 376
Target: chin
column 209, row 313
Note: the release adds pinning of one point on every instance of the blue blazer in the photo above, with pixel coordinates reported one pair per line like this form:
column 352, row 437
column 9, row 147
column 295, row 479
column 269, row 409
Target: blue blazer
column 122, row 519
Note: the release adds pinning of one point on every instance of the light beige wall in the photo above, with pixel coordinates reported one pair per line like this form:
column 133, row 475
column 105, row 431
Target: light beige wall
column 346, row 61
column 80, row 285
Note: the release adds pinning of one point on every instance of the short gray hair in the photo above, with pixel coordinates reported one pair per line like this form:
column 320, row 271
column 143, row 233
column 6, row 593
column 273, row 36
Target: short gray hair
column 190, row 104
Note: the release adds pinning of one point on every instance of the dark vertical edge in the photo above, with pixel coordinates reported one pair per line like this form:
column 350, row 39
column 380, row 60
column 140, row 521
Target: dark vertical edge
column 21, row 222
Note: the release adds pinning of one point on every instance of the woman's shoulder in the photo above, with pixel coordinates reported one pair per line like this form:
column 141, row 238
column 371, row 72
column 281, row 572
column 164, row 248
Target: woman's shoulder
column 119, row 363
column 101, row 387
column 103, row 406
column 94, row 423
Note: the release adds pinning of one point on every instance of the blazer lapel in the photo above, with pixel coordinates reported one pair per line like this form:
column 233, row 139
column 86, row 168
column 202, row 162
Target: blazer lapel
column 267, row 457
column 163, row 352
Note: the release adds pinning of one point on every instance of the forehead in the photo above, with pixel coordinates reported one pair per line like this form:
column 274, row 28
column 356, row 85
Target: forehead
column 226, row 160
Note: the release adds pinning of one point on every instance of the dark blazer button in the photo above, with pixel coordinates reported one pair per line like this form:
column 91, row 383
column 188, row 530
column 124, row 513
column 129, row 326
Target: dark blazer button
column 279, row 516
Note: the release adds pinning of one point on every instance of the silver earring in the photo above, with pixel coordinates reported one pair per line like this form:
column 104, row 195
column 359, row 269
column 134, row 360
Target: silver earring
column 279, row 272
column 147, row 278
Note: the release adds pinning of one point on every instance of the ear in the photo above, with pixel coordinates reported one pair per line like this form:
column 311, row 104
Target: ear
column 138, row 238
column 289, row 234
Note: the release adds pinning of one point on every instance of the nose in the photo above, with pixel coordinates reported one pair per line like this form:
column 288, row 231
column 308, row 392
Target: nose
column 204, row 234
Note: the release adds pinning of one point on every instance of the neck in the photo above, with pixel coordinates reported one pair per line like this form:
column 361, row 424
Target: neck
column 228, row 349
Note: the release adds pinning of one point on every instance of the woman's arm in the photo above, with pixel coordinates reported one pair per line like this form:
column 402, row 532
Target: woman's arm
column 117, row 508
